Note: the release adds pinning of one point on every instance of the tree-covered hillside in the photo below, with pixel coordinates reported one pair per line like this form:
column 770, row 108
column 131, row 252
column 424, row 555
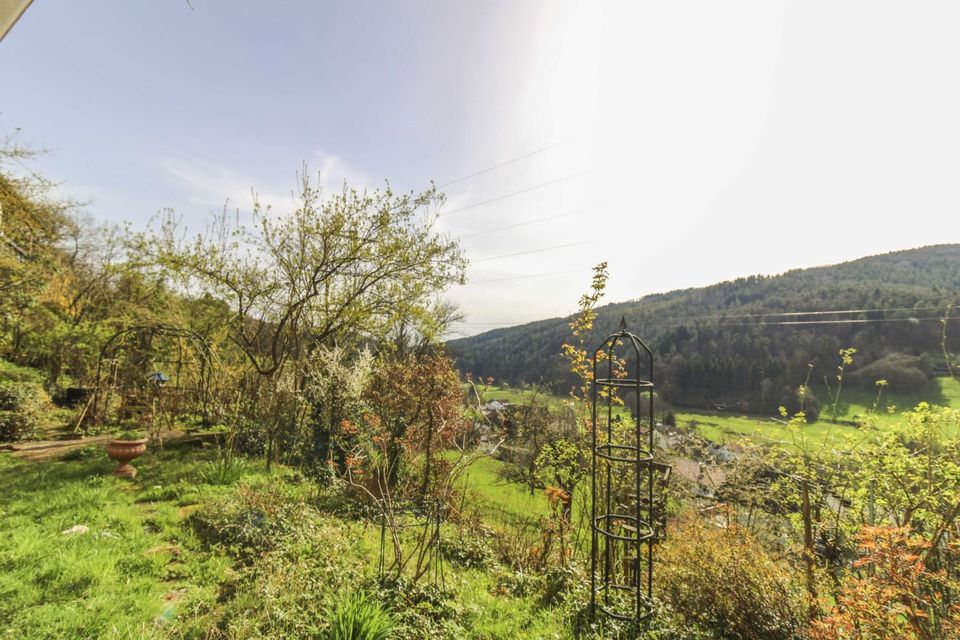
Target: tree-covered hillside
column 749, row 343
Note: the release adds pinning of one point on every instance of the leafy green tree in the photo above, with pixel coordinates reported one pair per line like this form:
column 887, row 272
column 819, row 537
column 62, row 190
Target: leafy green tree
column 336, row 270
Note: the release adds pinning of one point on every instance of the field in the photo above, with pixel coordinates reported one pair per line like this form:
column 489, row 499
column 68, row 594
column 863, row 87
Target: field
column 856, row 407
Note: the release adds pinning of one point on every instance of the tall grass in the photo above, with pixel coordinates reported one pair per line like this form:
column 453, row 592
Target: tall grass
column 355, row 616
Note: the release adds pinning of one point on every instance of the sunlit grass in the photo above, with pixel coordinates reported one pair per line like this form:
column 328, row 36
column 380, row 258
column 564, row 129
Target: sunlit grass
column 860, row 414
column 857, row 407
column 505, row 499
column 127, row 575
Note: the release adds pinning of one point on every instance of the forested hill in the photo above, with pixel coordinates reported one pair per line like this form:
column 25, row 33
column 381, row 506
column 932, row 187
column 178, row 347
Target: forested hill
column 736, row 343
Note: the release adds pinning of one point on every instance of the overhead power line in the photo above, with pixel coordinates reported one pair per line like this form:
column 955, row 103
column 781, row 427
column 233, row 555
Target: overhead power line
column 811, row 313
column 791, row 314
column 523, row 253
column 523, row 224
column 523, row 277
column 514, row 193
column 751, row 324
column 808, row 322
column 503, row 164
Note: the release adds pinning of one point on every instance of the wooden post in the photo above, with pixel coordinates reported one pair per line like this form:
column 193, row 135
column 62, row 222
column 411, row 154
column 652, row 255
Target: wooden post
column 808, row 553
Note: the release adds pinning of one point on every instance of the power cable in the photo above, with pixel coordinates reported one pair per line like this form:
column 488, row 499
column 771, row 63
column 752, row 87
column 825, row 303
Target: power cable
column 513, row 193
column 792, row 313
column 503, row 164
column 523, row 224
column 812, row 313
column 808, row 322
column 523, row 253
column 748, row 324
column 522, row 277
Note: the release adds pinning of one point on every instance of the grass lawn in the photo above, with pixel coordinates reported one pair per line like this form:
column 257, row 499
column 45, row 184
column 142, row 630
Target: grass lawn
column 503, row 501
column 139, row 570
column 515, row 395
column 855, row 405
column 124, row 576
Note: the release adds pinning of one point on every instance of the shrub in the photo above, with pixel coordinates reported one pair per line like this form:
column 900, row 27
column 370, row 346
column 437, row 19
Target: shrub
column 22, row 405
column 249, row 437
column 356, row 617
column 470, row 552
column 10, row 372
column 894, row 595
column 904, row 373
column 422, row 610
column 517, row 584
column 561, row 583
column 84, row 454
column 251, row 521
column 723, row 583
column 801, row 399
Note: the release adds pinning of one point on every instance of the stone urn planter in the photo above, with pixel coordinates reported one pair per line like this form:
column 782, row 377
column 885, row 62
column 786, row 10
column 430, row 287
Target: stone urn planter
column 123, row 451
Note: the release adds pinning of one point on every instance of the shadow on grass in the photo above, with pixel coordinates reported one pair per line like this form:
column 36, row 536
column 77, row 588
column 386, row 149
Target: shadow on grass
column 29, row 477
column 173, row 464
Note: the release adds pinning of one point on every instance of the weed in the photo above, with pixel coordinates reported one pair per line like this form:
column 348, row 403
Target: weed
column 356, row 616
column 225, row 470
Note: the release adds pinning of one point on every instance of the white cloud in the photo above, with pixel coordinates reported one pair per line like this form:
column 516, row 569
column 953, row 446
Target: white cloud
column 206, row 184
column 332, row 172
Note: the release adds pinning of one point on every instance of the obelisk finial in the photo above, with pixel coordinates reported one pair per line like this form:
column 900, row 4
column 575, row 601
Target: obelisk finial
column 623, row 324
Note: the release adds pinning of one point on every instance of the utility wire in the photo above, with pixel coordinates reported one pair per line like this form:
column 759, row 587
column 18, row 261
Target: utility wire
column 748, row 324
column 812, row 313
column 808, row 322
column 503, row 164
column 513, row 193
column 523, row 277
column 523, row 224
column 523, row 253
column 791, row 322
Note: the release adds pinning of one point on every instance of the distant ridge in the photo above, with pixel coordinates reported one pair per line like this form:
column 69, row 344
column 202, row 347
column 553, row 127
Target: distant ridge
column 730, row 339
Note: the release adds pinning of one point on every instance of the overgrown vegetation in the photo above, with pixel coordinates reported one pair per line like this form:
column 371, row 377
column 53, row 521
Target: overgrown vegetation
column 349, row 482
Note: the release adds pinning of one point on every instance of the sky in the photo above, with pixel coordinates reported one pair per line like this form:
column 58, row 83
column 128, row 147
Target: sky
column 684, row 143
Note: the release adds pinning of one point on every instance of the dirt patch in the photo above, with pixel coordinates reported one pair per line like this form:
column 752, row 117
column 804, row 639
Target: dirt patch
column 184, row 512
column 172, row 549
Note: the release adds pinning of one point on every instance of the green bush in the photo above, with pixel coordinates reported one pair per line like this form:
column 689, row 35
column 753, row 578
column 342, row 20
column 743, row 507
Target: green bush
column 357, row 617
column 469, row 552
column 723, row 583
column 84, row 454
column 517, row 584
column 904, row 373
column 251, row 521
column 561, row 583
column 22, row 406
column 423, row 610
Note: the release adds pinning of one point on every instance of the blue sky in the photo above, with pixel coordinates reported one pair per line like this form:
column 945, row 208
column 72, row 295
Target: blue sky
column 708, row 140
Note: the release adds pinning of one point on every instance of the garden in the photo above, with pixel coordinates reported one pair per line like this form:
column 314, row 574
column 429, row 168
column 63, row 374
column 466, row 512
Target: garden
column 257, row 432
